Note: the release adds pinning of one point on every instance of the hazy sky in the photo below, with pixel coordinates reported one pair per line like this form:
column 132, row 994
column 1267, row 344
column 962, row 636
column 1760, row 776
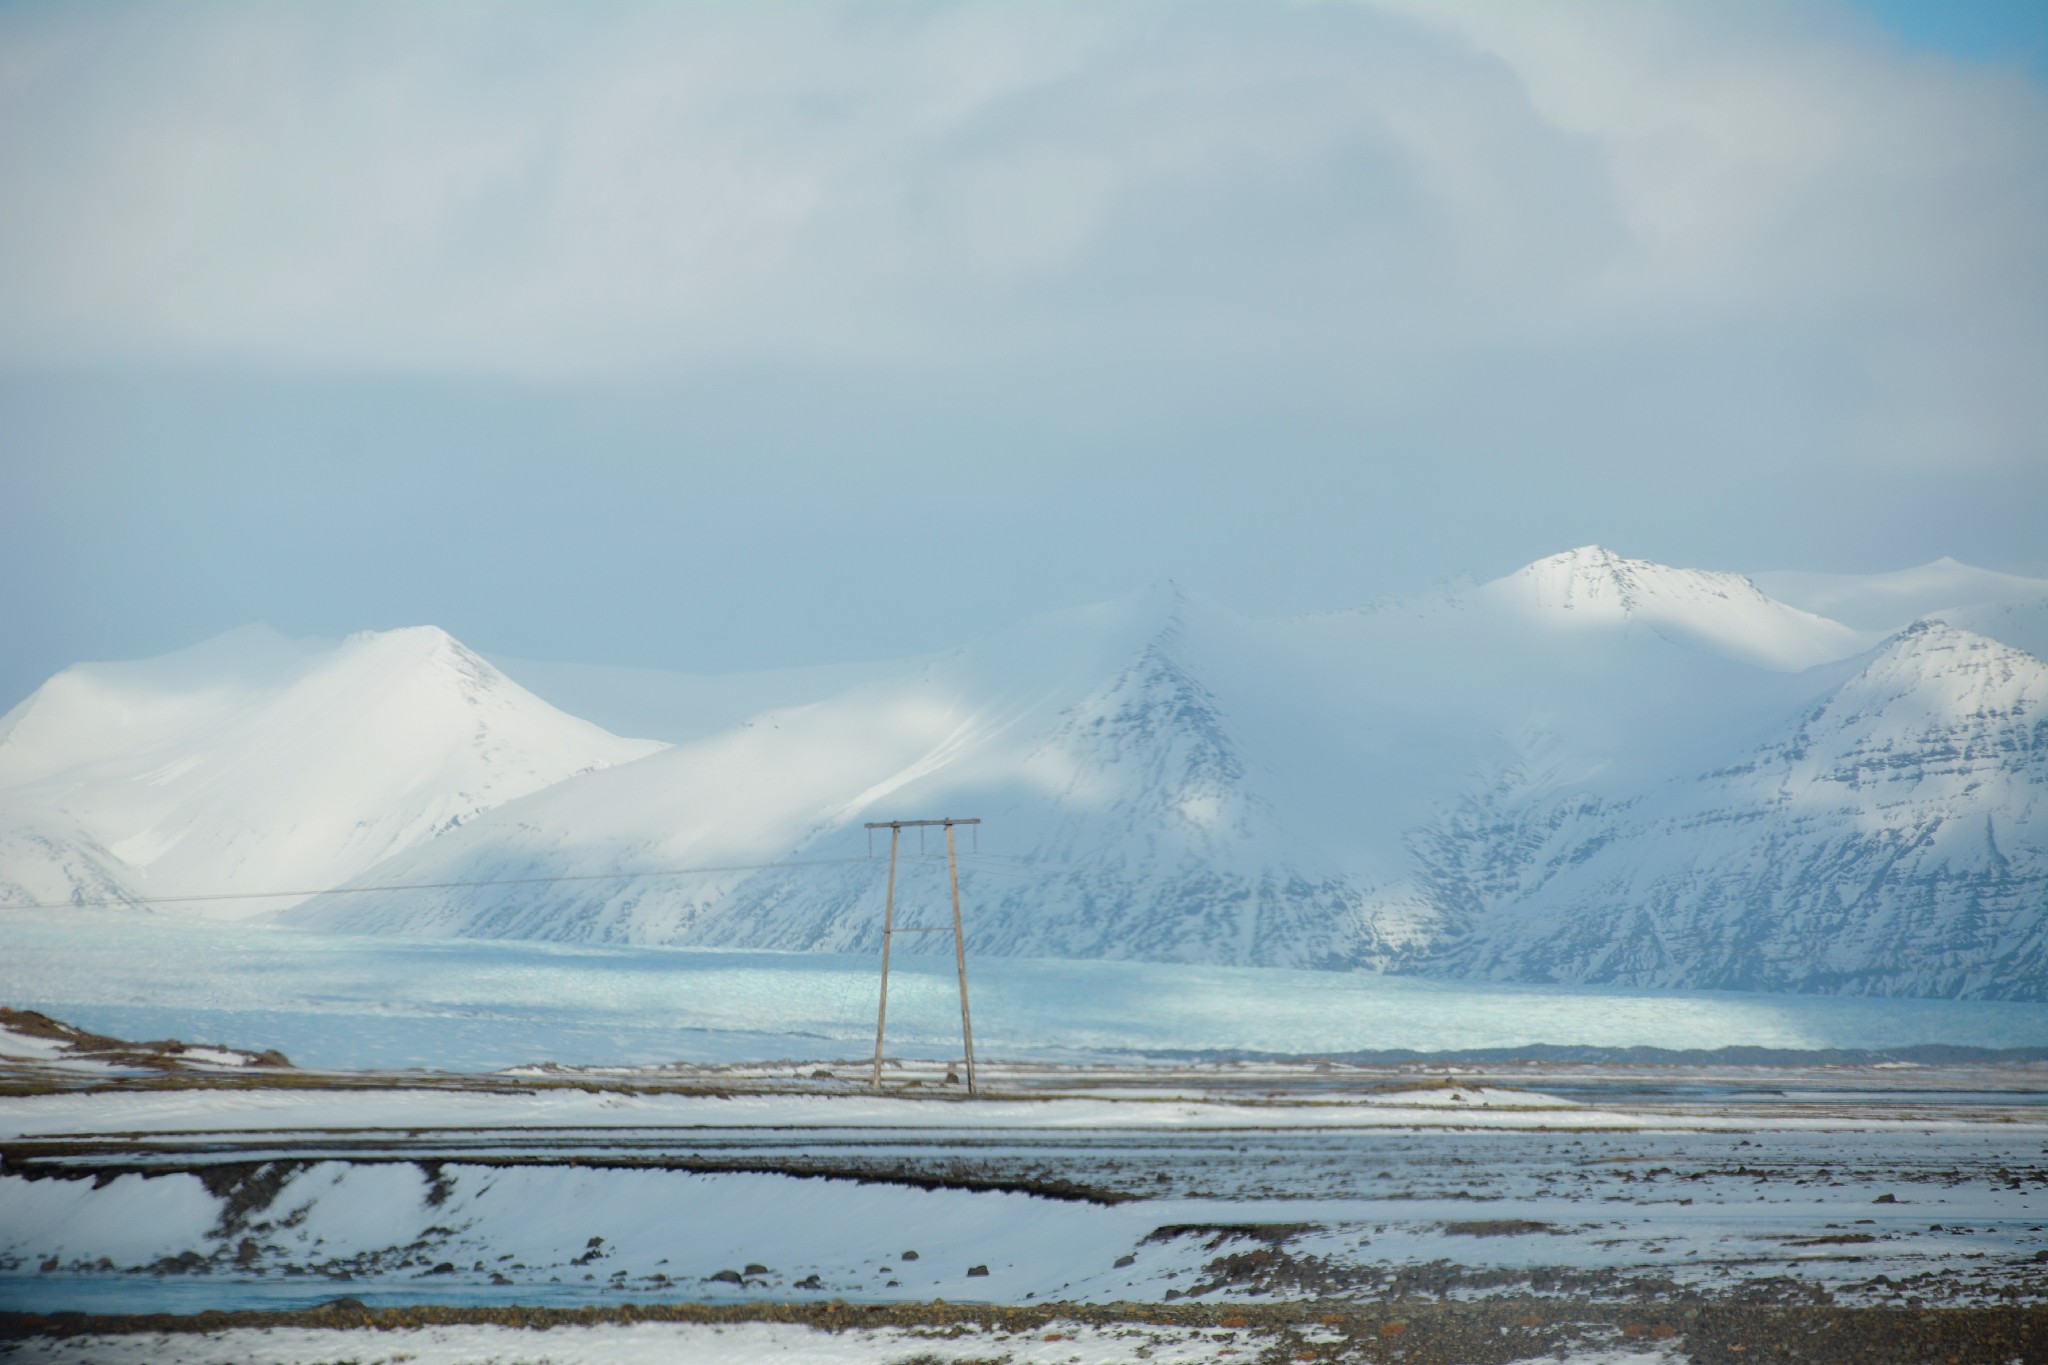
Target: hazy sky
column 713, row 336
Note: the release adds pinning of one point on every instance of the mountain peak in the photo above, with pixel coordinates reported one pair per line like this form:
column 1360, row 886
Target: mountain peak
column 1127, row 627
column 1931, row 645
column 1594, row 580
column 1593, row 587
column 422, row 659
column 1162, row 599
column 225, row 769
column 418, row 642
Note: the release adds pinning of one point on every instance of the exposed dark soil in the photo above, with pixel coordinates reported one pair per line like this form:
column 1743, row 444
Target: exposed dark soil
column 1415, row 1333
column 162, row 1055
column 251, row 1185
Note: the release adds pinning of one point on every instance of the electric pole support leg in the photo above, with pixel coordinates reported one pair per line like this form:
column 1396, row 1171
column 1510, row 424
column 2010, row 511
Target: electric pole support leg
column 888, row 932
column 960, row 956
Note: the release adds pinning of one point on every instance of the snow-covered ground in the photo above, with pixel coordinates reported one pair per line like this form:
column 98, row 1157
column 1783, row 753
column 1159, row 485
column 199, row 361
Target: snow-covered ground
column 536, row 1191
column 1953, row 1217
column 1055, row 1343
column 289, row 1233
column 338, row 1109
column 342, row 1001
column 32, row 1042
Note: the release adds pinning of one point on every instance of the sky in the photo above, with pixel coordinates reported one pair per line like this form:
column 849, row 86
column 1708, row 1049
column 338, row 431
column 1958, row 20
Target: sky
column 718, row 337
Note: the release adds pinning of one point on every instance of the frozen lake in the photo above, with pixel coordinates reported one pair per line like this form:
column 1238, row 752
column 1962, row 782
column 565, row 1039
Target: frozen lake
column 341, row 1001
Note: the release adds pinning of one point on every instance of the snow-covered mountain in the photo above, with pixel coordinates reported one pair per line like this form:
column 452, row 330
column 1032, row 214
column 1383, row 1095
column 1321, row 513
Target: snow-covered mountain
column 254, row 763
column 1593, row 587
column 1891, row 837
column 1593, row 769
column 1127, row 813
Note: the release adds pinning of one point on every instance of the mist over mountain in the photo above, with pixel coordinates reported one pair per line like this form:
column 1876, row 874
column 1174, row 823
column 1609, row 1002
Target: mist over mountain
column 254, row 763
column 1595, row 769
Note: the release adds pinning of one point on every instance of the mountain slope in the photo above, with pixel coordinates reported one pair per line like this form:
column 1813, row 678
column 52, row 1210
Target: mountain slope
column 1130, row 818
column 677, row 707
column 1887, row 602
column 46, row 859
column 1891, row 839
column 254, row 763
column 2023, row 625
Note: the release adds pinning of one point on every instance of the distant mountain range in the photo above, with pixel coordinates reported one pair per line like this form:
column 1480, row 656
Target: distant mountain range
column 1595, row 769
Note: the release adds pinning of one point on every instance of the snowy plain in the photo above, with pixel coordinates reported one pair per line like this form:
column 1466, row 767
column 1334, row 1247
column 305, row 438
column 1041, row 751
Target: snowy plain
column 1156, row 1203
column 598, row 1185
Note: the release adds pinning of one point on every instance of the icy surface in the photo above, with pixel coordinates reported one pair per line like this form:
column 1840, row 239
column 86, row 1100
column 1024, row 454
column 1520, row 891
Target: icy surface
column 364, row 1001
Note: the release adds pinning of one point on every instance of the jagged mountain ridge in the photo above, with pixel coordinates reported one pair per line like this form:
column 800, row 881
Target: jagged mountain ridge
column 1578, row 772
column 1151, row 833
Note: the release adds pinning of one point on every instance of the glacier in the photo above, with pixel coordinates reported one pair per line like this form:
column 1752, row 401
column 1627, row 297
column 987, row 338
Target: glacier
column 364, row 1001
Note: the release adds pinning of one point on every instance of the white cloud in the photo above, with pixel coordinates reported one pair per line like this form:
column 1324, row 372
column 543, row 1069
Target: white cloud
column 1370, row 193
column 1787, row 169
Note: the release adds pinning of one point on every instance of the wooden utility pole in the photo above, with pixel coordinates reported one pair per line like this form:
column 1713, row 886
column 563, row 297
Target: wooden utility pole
column 960, row 955
column 888, row 934
column 889, row 931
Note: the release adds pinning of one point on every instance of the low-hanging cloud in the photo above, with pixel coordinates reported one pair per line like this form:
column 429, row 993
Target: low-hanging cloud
column 1358, row 199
